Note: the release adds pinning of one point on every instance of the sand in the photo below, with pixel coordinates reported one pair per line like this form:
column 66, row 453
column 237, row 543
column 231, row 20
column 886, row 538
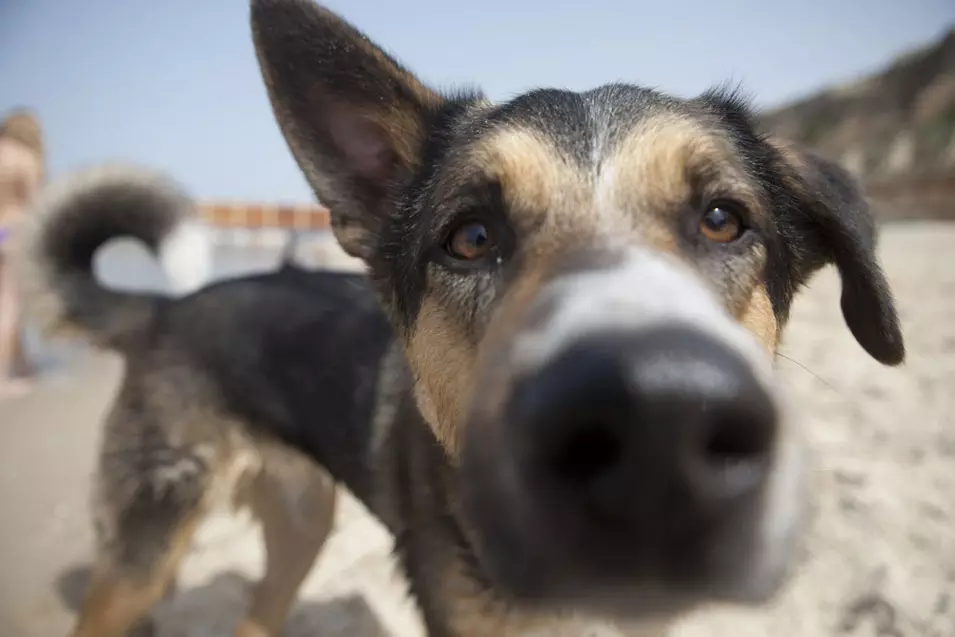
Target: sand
column 880, row 559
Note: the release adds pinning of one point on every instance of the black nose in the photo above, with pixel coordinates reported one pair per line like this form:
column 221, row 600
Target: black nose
column 665, row 422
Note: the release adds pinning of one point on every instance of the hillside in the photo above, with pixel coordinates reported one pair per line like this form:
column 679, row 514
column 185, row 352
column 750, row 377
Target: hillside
column 894, row 128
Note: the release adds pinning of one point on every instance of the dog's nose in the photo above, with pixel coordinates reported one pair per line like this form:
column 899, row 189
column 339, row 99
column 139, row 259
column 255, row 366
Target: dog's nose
column 667, row 422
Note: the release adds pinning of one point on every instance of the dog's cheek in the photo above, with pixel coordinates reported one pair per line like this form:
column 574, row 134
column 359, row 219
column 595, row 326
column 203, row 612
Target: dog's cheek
column 442, row 358
column 459, row 349
column 757, row 316
column 739, row 281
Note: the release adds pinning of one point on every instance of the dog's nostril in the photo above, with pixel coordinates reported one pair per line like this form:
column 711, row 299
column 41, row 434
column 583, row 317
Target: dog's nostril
column 588, row 451
column 736, row 449
column 735, row 441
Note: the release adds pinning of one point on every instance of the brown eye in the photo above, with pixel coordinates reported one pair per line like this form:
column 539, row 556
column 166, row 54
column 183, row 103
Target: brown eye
column 721, row 224
column 469, row 241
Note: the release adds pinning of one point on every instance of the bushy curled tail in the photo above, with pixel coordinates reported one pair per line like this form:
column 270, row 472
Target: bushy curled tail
column 76, row 215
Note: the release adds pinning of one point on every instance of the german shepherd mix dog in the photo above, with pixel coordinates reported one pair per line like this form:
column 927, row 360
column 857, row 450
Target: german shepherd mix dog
column 555, row 386
column 179, row 440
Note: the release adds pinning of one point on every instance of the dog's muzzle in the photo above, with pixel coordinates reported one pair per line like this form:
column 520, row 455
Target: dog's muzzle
column 634, row 464
column 663, row 424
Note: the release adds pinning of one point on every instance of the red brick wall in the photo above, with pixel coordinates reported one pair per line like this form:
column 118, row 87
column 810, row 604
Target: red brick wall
column 265, row 215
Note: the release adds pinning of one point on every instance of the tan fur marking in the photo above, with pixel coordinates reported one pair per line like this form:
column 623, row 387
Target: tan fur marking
column 294, row 530
column 114, row 602
column 758, row 317
column 655, row 167
column 540, row 185
column 442, row 362
column 650, row 167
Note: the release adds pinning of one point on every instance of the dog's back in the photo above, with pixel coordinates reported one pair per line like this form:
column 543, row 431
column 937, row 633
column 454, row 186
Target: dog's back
column 293, row 354
column 217, row 383
column 270, row 351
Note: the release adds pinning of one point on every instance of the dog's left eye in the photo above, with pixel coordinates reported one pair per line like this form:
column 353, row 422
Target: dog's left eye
column 721, row 223
column 469, row 241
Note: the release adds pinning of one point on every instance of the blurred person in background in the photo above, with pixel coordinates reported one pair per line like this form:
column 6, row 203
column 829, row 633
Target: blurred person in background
column 21, row 174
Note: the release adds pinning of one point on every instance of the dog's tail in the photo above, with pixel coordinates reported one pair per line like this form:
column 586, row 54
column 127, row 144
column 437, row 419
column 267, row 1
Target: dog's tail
column 73, row 217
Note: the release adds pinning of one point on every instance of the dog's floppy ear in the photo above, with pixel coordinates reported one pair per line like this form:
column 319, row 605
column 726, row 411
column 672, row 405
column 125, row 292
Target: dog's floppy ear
column 354, row 119
column 841, row 222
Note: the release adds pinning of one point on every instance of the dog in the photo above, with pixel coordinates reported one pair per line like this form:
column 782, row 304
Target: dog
column 554, row 384
column 177, row 443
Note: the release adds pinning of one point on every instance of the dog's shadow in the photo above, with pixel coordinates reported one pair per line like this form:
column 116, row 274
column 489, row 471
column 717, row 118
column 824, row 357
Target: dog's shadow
column 215, row 608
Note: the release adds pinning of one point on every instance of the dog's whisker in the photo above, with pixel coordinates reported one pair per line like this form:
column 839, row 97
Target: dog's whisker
column 809, row 371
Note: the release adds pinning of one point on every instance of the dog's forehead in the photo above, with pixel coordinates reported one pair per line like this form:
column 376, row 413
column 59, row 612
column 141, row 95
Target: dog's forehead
column 616, row 155
column 576, row 120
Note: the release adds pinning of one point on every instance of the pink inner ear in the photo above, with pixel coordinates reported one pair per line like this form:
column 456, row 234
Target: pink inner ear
column 363, row 142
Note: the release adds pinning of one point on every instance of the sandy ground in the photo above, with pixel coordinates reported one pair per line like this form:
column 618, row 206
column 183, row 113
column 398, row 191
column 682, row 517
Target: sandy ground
column 880, row 559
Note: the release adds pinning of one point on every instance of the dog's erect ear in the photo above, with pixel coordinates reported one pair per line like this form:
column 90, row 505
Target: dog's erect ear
column 839, row 216
column 354, row 119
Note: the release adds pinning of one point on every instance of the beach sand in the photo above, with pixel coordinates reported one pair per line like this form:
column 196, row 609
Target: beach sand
column 880, row 559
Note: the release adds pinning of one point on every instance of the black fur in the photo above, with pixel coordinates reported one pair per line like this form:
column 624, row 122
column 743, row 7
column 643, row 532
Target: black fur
column 294, row 353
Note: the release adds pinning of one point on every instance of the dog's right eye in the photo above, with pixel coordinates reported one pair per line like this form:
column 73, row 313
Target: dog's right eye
column 469, row 241
column 722, row 223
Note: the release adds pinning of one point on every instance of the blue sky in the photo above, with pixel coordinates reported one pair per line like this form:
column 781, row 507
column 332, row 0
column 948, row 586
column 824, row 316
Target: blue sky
column 174, row 83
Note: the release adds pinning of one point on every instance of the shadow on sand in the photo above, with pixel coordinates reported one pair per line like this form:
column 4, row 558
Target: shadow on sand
column 214, row 608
